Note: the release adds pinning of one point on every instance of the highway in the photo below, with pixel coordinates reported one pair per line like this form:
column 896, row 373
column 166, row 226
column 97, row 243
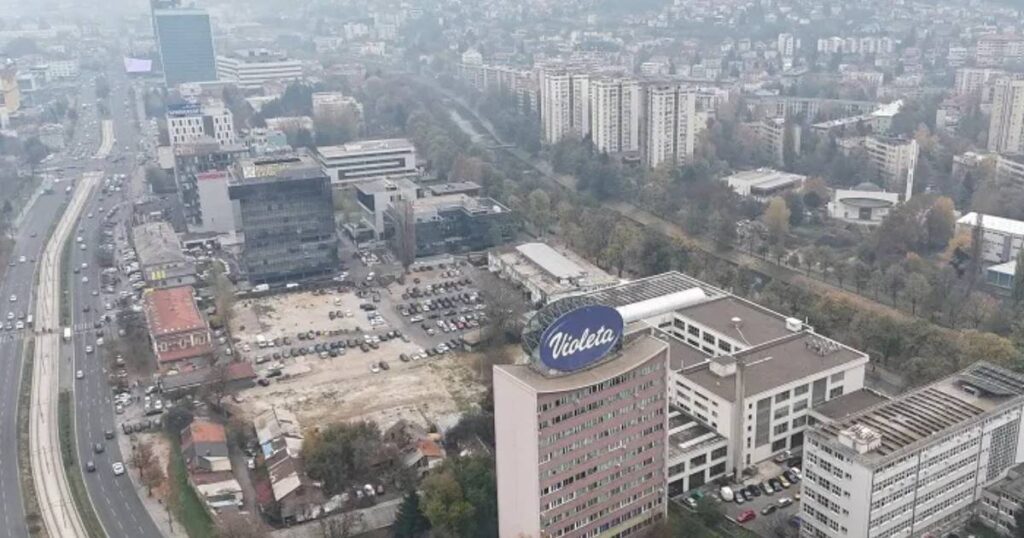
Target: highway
column 19, row 280
column 114, row 498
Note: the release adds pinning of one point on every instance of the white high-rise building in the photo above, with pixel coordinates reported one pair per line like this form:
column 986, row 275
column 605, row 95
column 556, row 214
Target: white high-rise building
column 787, row 44
column 915, row 465
column 615, row 105
column 565, row 105
column 1006, row 130
column 671, row 124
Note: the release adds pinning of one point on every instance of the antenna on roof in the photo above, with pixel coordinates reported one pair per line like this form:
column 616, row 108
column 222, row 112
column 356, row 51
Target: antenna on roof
column 737, row 323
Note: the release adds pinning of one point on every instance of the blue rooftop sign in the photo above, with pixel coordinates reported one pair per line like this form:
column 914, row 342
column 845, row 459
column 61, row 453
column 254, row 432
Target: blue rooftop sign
column 580, row 337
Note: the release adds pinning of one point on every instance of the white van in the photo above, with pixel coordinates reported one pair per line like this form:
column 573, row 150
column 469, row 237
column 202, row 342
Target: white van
column 726, row 494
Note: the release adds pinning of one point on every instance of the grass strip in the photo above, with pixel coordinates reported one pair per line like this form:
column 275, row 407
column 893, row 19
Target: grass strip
column 188, row 508
column 33, row 520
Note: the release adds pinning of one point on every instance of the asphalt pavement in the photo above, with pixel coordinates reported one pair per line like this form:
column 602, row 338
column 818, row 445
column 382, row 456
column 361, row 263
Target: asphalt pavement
column 20, row 281
column 114, row 498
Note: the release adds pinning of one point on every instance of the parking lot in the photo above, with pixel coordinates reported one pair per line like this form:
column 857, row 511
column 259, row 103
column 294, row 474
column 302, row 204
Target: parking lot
column 363, row 351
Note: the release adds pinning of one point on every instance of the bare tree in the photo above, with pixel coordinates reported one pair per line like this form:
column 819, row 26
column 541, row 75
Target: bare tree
column 342, row 526
column 238, row 526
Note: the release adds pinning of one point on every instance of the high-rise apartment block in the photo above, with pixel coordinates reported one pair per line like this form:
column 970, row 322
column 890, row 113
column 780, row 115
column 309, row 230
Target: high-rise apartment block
column 616, row 108
column 286, row 216
column 565, row 105
column 915, row 465
column 1006, row 129
column 671, row 124
column 185, row 41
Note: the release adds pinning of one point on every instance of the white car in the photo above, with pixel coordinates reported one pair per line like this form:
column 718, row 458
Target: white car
column 89, row 215
column 19, row 325
column 88, row 349
column 79, row 374
column 118, row 468
column 14, row 298
column 21, row 259
column 374, row 368
column 85, row 265
column 85, row 280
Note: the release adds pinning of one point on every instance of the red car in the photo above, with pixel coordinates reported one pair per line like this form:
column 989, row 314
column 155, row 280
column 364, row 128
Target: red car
column 746, row 515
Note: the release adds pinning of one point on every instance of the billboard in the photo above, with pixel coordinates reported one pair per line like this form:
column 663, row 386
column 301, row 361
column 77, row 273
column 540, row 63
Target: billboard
column 183, row 109
column 580, row 337
column 134, row 66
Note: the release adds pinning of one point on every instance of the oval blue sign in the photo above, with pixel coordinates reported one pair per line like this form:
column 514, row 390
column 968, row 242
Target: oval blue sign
column 580, row 337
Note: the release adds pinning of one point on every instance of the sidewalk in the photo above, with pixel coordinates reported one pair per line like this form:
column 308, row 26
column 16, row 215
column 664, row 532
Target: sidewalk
column 156, row 509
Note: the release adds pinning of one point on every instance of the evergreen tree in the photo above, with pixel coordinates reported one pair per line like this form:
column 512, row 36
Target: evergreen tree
column 410, row 521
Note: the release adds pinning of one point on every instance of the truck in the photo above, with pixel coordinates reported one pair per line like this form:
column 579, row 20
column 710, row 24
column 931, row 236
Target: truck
column 67, row 334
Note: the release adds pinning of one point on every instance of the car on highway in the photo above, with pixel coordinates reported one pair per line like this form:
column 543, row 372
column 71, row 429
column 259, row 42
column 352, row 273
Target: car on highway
column 109, row 434
column 14, row 298
column 21, row 259
column 79, row 374
column 19, row 325
column 88, row 349
column 118, row 468
column 97, row 448
column 90, row 466
column 85, row 280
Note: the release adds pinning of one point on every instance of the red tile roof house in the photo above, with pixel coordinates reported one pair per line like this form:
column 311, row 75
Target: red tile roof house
column 180, row 335
column 205, row 450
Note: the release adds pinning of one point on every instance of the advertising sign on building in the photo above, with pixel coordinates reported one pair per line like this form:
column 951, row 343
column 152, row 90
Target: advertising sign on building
column 183, row 109
column 580, row 337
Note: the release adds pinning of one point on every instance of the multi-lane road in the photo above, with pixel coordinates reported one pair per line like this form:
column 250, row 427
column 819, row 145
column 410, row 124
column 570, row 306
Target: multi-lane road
column 115, row 500
column 19, row 280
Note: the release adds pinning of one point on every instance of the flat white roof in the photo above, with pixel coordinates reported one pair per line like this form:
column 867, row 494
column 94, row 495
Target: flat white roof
column 993, row 223
column 1006, row 268
column 364, row 146
column 550, row 260
column 764, row 177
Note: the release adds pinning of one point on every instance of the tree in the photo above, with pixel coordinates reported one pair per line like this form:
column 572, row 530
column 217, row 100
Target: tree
column 234, row 525
column 940, row 223
column 860, row 274
column 344, row 454
column 446, row 507
column 776, row 218
column 504, row 310
column 35, row 151
column 894, row 280
column 538, row 210
column 622, row 245
column 917, row 291
column 1017, row 294
column 410, row 521
column 654, row 254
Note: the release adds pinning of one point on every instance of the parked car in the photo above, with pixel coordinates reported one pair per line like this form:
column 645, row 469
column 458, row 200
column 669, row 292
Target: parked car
column 746, row 515
column 726, row 493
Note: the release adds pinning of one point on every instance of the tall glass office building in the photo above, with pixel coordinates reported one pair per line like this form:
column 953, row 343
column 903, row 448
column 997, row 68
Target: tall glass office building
column 186, row 45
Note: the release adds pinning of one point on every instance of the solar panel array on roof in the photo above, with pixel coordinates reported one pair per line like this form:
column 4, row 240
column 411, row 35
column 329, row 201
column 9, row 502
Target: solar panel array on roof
column 650, row 288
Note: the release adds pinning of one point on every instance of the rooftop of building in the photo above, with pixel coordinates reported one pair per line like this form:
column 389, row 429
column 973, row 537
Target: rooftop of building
column 206, row 145
column 929, row 412
column 634, row 352
column 651, row 287
column 765, row 178
column 993, row 223
column 258, row 55
column 342, row 151
column 684, row 430
column 756, row 325
column 848, row 404
column 206, row 431
column 798, row 356
column 455, row 187
column 554, row 271
column 172, row 310
column 386, row 185
column 426, row 209
column 279, row 168
column 1012, row 485
column 1012, row 158
column 157, row 244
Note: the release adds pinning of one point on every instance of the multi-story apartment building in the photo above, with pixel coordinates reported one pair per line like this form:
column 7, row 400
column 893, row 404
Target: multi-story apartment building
column 1010, row 170
column 1001, row 238
column 191, row 122
column 915, row 465
column 286, row 216
column 367, row 160
column 787, row 45
column 521, row 83
column 1006, row 127
column 670, row 124
column 1002, row 501
column 778, row 137
column 894, row 160
column 185, row 42
column 565, row 104
column 997, row 49
column 616, row 109
column 971, row 80
column 250, row 69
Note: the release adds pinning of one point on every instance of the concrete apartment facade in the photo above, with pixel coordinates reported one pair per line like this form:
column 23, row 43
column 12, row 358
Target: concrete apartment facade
column 1001, row 238
column 616, row 108
column 670, row 124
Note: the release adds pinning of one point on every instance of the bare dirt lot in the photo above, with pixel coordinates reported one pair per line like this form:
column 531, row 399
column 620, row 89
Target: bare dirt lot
column 325, row 390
